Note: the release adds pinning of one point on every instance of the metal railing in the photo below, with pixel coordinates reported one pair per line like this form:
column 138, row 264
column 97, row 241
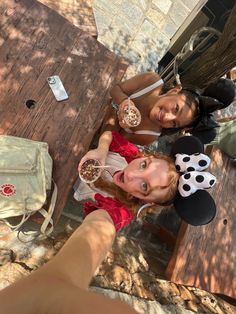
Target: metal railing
column 199, row 42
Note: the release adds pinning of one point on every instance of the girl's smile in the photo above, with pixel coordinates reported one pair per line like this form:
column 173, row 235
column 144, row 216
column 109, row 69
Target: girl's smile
column 171, row 111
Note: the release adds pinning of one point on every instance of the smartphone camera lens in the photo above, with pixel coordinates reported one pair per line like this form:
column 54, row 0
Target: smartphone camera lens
column 51, row 80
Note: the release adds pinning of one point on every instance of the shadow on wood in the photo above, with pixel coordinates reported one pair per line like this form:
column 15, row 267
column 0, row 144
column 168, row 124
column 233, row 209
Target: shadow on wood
column 78, row 12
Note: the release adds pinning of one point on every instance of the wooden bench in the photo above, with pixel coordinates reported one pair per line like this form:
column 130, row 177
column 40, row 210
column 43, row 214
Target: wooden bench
column 78, row 12
column 205, row 257
column 35, row 43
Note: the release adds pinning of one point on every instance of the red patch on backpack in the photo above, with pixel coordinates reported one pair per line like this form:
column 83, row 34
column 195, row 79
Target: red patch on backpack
column 7, row 190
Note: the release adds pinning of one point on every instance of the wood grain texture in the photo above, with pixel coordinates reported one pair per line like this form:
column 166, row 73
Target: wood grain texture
column 36, row 42
column 205, row 257
column 78, row 12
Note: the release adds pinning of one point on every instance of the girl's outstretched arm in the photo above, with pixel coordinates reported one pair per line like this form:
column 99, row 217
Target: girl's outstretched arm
column 61, row 285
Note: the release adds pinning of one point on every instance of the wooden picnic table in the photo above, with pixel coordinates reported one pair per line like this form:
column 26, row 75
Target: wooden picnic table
column 35, row 43
column 205, row 257
column 78, row 12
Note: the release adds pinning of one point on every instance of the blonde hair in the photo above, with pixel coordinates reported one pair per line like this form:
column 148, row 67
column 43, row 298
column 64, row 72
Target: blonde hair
column 132, row 202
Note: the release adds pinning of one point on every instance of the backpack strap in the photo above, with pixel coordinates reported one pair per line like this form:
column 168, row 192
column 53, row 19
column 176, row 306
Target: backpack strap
column 48, row 214
column 24, row 218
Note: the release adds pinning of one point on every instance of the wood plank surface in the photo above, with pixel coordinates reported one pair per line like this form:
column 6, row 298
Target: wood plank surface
column 78, row 12
column 36, row 42
column 205, row 257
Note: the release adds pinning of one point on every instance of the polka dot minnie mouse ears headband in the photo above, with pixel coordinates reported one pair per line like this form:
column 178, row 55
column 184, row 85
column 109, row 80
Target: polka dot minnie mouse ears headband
column 193, row 177
column 193, row 204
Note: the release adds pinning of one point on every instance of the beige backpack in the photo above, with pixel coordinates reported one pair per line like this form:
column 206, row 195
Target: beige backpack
column 25, row 177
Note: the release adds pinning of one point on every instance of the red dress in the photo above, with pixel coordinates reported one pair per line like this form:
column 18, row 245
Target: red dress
column 120, row 215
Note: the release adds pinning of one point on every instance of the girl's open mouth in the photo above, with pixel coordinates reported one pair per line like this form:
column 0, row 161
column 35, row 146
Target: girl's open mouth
column 118, row 177
column 158, row 116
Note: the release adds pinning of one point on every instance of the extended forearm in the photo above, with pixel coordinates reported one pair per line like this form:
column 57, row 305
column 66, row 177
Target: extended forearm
column 85, row 250
column 105, row 141
column 117, row 94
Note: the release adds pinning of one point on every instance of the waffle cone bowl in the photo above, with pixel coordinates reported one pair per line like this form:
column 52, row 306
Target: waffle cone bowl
column 88, row 172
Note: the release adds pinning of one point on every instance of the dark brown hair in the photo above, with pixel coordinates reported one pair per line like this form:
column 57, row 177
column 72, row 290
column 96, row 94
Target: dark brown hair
column 192, row 101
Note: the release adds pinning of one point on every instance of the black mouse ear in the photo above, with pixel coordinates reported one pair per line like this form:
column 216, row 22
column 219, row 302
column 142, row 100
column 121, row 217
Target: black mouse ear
column 187, row 145
column 197, row 209
column 209, row 104
column 224, row 90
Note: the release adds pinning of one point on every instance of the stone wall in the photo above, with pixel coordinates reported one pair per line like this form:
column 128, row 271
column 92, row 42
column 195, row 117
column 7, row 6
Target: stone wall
column 128, row 270
column 140, row 30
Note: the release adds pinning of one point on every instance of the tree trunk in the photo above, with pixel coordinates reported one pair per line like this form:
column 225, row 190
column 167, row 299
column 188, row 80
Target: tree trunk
column 217, row 60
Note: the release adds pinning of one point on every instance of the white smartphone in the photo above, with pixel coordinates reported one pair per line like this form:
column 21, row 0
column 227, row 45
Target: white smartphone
column 57, row 87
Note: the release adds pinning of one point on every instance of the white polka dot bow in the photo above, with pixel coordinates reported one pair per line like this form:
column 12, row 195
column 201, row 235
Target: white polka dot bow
column 193, row 178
